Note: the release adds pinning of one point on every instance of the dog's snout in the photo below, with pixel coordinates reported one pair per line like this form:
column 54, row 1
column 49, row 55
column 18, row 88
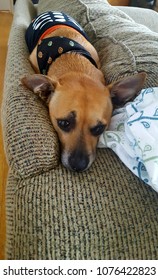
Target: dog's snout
column 78, row 161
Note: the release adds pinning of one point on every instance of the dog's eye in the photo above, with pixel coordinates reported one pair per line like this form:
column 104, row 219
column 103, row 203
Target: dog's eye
column 65, row 125
column 68, row 123
column 98, row 129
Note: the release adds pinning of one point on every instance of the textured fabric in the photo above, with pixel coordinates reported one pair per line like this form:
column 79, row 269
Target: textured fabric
column 103, row 213
column 124, row 46
column 44, row 21
column 145, row 17
column 30, row 141
column 49, row 49
column 133, row 135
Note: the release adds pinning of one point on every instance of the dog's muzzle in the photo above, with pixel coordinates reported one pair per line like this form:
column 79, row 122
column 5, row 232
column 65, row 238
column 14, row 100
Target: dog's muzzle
column 77, row 160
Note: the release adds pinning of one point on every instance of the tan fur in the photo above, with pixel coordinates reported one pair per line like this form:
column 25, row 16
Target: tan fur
column 69, row 33
column 79, row 96
column 92, row 105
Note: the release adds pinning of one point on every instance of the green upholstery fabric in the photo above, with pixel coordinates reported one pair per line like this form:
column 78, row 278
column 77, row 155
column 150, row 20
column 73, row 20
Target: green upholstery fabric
column 52, row 213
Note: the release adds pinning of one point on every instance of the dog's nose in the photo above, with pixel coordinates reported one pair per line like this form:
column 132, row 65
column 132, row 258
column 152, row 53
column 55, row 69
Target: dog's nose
column 78, row 161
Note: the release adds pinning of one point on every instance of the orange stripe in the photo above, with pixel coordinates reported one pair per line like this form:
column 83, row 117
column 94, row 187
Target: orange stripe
column 53, row 28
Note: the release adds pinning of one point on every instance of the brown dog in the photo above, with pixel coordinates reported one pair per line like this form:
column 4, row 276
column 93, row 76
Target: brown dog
column 79, row 101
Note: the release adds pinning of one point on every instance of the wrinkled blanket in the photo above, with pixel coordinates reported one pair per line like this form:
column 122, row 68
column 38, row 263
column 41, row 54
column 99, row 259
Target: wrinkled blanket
column 133, row 136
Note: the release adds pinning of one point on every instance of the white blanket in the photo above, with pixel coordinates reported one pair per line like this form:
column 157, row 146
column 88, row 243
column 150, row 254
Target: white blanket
column 133, row 136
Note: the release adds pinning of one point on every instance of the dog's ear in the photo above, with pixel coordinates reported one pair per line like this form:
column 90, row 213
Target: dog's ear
column 40, row 85
column 127, row 88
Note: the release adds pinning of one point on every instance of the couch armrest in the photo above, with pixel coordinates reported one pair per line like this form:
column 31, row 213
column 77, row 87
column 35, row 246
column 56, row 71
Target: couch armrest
column 146, row 17
column 30, row 141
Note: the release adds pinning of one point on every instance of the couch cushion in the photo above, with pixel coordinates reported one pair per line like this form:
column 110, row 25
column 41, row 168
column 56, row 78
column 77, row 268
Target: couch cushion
column 97, row 214
column 124, row 46
column 30, row 141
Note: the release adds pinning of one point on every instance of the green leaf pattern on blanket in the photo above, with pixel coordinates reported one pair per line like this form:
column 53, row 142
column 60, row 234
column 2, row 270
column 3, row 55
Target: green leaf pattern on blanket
column 133, row 136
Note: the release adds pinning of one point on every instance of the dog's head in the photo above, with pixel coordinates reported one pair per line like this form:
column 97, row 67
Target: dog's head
column 80, row 110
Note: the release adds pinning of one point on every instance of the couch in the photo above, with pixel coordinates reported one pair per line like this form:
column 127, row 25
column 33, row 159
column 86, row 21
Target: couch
column 52, row 213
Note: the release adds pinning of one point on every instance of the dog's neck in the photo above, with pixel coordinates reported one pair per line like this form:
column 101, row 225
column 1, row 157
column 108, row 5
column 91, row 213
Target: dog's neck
column 73, row 62
column 51, row 48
